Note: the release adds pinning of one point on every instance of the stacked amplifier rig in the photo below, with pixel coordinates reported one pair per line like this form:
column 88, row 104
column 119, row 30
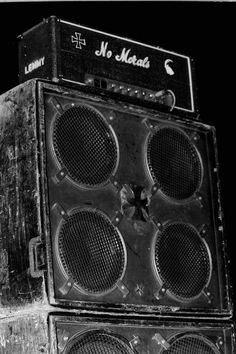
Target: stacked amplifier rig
column 112, row 237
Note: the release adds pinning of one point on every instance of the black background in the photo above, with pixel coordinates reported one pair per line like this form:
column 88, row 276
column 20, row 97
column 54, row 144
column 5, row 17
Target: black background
column 203, row 30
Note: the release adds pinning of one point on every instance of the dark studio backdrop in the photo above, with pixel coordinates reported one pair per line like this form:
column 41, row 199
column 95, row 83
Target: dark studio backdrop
column 203, row 30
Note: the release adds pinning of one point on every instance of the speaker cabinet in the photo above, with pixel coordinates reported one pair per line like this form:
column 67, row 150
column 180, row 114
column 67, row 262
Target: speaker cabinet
column 109, row 206
column 73, row 335
column 50, row 333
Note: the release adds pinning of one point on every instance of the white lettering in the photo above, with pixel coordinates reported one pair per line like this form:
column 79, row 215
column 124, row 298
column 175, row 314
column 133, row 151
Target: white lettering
column 123, row 57
column 103, row 51
column 146, row 63
column 34, row 65
column 132, row 60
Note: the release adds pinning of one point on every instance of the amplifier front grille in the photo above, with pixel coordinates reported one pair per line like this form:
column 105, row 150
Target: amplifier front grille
column 191, row 343
column 174, row 163
column 98, row 342
column 182, row 260
column 91, row 250
column 84, row 145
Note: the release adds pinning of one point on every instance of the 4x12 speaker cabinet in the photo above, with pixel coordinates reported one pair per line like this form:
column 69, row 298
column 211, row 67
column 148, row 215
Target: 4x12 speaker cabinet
column 51, row 333
column 73, row 335
column 108, row 206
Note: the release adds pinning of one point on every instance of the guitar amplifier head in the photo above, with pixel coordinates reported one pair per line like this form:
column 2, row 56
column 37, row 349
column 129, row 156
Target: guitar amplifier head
column 75, row 55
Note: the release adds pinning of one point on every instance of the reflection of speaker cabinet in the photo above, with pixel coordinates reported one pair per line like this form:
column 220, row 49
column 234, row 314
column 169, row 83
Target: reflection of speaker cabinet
column 123, row 200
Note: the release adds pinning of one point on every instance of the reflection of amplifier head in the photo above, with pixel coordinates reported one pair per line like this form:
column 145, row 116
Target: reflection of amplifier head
column 118, row 205
column 73, row 54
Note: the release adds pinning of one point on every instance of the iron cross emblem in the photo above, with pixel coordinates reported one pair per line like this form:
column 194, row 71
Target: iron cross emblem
column 78, row 40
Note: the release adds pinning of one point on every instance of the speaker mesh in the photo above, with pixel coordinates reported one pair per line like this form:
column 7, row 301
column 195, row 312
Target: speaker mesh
column 91, row 250
column 182, row 260
column 193, row 344
column 174, row 163
column 85, row 146
column 99, row 342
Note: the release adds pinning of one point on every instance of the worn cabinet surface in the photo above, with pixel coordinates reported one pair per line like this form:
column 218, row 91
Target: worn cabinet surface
column 24, row 334
column 19, row 197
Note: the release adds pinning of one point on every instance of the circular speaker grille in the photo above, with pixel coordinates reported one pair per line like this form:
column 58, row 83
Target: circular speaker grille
column 99, row 342
column 85, row 146
column 91, row 250
column 193, row 344
column 182, row 260
column 174, row 163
